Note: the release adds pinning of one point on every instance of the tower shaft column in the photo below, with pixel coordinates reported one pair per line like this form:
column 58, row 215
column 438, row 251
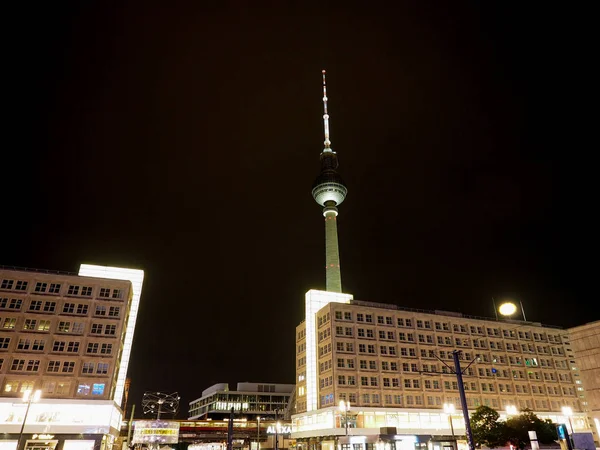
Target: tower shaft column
column 332, row 252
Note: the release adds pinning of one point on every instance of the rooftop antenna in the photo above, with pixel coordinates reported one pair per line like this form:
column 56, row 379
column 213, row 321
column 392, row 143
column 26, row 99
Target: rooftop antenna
column 325, row 116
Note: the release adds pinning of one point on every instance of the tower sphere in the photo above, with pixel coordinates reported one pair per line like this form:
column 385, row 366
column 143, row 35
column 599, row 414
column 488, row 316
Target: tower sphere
column 329, row 187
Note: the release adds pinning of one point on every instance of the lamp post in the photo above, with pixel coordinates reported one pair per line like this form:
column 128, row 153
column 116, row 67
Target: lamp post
column 258, row 433
column 345, row 407
column 511, row 410
column 277, row 425
column 568, row 411
column 449, row 409
column 28, row 398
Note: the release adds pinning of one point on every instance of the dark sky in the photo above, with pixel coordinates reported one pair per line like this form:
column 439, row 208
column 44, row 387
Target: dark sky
column 183, row 138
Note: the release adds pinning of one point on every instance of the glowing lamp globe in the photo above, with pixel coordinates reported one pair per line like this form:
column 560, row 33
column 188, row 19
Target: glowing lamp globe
column 507, row 309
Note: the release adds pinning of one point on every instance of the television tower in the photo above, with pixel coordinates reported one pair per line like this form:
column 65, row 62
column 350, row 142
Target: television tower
column 329, row 191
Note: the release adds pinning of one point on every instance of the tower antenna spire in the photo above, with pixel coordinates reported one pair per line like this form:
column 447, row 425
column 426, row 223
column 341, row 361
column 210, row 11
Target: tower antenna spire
column 325, row 115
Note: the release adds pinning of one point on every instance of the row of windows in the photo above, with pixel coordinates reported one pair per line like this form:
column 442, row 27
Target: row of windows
column 42, row 287
column 415, row 383
column 54, row 366
column 392, row 366
column 444, row 326
column 50, row 307
column 390, row 350
column 26, row 344
column 55, row 388
column 349, row 363
column 438, row 401
column 43, row 325
column 382, row 335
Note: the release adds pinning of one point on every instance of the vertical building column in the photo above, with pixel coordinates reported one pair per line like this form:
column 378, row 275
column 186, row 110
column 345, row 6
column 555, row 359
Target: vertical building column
column 332, row 252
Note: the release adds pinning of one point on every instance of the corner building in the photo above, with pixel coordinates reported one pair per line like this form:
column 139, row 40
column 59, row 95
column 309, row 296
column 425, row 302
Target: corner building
column 388, row 362
column 394, row 366
column 70, row 337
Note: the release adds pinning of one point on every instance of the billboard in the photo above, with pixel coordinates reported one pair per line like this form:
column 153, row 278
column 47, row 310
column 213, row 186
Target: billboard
column 155, row 431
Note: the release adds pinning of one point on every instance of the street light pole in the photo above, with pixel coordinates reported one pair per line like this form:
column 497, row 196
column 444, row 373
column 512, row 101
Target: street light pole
column 449, row 409
column 258, row 433
column 27, row 397
column 568, row 411
column 345, row 407
column 276, row 430
column 463, row 399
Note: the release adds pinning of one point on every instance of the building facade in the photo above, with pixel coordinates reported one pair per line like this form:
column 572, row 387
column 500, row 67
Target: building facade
column 394, row 366
column 69, row 337
column 249, row 400
column 586, row 345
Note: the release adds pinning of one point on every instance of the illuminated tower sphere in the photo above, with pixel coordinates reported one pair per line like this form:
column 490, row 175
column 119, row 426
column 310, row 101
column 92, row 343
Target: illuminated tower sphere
column 329, row 191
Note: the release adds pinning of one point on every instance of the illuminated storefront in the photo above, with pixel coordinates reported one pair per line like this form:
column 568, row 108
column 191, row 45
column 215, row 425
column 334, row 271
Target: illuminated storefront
column 59, row 424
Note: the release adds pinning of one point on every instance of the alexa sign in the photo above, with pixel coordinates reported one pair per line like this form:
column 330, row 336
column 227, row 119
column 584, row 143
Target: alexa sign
column 281, row 429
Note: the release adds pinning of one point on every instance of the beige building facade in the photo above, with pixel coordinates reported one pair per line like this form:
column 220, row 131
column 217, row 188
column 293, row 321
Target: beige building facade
column 585, row 340
column 61, row 334
column 69, row 337
column 394, row 366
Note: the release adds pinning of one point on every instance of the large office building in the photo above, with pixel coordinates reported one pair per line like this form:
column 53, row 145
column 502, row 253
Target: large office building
column 65, row 342
column 268, row 401
column 586, row 345
column 393, row 368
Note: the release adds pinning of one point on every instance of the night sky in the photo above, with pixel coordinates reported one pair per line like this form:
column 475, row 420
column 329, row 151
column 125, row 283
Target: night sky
column 183, row 139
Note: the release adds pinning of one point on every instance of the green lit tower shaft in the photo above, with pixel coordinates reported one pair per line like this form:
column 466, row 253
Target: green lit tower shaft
column 329, row 191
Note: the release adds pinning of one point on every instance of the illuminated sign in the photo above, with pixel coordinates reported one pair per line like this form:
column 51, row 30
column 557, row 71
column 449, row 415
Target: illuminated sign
column 281, row 429
column 226, row 406
column 155, row 431
column 43, row 437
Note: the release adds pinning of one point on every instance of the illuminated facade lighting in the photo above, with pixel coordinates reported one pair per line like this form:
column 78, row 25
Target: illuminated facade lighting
column 315, row 300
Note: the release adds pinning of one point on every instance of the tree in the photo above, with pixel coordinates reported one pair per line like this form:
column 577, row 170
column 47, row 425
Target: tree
column 486, row 428
column 517, row 429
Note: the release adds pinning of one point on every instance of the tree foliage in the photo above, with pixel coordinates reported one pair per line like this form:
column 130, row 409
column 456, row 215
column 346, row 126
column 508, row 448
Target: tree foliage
column 486, row 428
column 517, row 428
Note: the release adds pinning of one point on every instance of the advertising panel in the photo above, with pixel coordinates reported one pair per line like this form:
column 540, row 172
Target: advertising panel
column 155, row 431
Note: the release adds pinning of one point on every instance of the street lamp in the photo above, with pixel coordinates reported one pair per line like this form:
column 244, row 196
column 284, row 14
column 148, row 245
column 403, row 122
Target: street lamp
column 345, row 407
column 28, row 398
column 511, row 410
column 508, row 308
column 568, row 411
column 449, row 409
